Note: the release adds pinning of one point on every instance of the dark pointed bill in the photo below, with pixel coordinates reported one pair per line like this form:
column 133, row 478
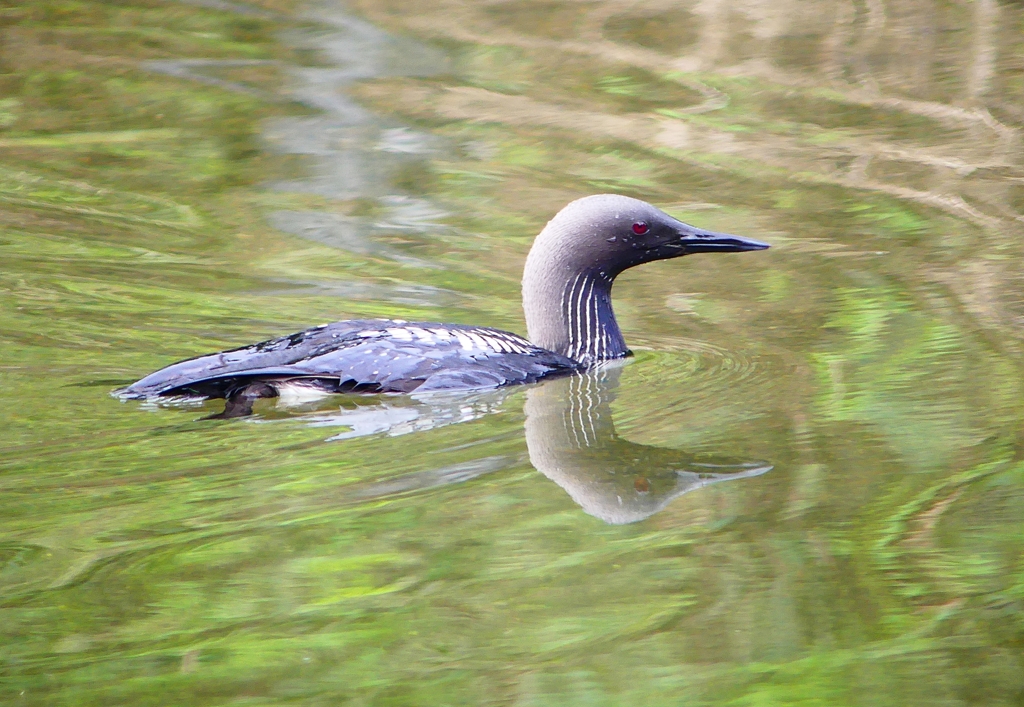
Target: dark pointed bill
column 700, row 241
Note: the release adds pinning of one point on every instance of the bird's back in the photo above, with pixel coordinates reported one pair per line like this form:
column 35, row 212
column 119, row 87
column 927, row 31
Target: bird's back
column 363, row 355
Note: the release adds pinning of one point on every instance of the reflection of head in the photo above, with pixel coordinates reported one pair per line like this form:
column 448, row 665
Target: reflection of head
column 572, row 441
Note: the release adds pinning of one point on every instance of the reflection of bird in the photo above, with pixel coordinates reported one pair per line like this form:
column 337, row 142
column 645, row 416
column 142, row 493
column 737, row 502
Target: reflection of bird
column 572, row 441
column 566, row 296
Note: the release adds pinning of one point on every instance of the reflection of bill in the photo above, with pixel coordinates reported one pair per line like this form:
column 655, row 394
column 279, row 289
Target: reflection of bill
column 572, row 441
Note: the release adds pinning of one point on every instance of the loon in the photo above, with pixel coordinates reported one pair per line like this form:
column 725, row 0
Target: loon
column 567, row 286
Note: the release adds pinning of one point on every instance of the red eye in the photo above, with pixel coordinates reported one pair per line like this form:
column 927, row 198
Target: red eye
column 640, row 228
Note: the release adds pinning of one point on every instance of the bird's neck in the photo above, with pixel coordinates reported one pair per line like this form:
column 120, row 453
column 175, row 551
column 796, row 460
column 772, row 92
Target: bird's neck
column 569, row 310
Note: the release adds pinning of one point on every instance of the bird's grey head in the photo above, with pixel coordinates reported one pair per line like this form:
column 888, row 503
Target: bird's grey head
column 610, row 232
column 570, row 269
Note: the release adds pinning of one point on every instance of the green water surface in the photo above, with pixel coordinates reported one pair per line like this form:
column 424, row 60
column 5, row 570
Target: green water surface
column 182, row 177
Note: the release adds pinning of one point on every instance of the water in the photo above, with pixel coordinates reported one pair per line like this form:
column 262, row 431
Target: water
column 806, row 487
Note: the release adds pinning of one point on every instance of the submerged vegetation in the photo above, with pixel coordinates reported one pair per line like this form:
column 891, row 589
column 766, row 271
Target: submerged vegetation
column 874, row 356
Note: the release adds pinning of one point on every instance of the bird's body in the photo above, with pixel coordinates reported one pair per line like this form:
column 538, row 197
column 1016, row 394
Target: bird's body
column 364, row 356
column 566, row 297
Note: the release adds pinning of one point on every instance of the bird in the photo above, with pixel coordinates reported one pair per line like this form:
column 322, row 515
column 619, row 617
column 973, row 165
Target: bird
column 566, row 291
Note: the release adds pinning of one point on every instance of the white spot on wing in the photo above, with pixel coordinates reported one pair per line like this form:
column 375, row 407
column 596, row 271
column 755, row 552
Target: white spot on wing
column 493, row 342
column 515, row 344
column 421, row 334
column 478, row 340
column 400, row 334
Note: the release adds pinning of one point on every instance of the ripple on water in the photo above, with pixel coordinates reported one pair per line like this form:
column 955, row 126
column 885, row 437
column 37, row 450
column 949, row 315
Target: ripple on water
column 704, row 364
column 701, row 388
